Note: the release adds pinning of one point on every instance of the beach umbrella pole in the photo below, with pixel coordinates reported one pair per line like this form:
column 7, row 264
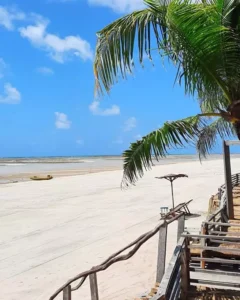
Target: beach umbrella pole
column 172, row 192
column 171, row 178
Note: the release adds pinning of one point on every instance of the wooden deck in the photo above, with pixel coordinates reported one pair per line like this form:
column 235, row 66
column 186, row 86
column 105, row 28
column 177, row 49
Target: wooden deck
column 236, row 203
column 229, row 231
column 213, row 294
column 204, row 265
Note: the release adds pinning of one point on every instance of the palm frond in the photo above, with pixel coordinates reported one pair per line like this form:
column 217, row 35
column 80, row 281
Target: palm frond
column 116, row 44
column 212, row 102
column 139, row 157
column 190, row 34
column 208, row 49
column 209, row 134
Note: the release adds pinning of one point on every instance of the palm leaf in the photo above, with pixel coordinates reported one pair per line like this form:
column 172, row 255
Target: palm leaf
column 207, row 138
column 116, row 44
column 157, row 143
column 190, row 34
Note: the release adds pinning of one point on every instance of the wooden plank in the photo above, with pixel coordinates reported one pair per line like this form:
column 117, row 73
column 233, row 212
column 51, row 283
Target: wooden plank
column 223, row 238
column 223, row 224
column 224, row 218
column 213, row 215
column 234, row 233
column 178, row 208
column 218, row 283
column 93, row 286
column 217, row 249
column 232, row 143
column 181, row 226
column 185, row 274
column 162, row 248
column 228, row 179
column 203, row 243
column 175, row 290
column 67, row 293
column 168, row 275
column 214, row 272
column 217, row 260
column 221, row 242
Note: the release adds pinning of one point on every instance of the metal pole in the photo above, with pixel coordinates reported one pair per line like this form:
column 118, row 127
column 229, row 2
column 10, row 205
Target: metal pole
column 172, row 193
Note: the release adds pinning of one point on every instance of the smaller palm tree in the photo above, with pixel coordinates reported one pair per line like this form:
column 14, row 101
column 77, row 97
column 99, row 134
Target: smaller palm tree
column 202, row 39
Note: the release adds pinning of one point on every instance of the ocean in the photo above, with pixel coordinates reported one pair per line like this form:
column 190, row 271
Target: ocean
column 21, row 168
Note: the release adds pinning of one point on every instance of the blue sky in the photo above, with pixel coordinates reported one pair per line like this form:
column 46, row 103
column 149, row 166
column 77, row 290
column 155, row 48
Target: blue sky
column 46, row 83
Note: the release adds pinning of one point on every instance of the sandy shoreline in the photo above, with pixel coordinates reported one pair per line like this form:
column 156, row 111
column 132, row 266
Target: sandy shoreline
column 19, row 170
column 53, row 230
column 14, row 178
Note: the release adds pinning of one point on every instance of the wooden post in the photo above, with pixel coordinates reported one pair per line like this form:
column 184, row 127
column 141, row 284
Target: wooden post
column 67, row 293
column 228, row 180
column 93, row 286
column 185, row 272
column 181, row 226
column 203, row 232
column 162, row 247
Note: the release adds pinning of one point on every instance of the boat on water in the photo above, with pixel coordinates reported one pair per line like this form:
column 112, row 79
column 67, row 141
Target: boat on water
column 48, row 177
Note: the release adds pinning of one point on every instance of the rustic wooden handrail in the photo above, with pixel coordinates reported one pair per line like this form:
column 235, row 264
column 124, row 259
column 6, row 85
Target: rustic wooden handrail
column 214, row 215
column 115, row 257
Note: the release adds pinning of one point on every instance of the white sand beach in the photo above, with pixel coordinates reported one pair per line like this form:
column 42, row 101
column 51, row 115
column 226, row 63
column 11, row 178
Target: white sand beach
column 53, row 230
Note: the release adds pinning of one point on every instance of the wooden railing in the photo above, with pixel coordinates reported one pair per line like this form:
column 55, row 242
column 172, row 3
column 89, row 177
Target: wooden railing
column 221, row 214
column 68, row 287
column 175, row 281
column 178, row 277
column 235, row 180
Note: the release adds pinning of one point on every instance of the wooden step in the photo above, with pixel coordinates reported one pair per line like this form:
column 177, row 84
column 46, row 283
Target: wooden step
column 203, row 293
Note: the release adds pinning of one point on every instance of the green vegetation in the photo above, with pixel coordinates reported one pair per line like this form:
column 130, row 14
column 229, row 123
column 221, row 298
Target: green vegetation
column 202, row 39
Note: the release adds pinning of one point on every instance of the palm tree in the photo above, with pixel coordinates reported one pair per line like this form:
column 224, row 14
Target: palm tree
column 202, row 39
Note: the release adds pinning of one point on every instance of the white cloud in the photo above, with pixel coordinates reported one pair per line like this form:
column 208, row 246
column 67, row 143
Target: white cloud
column 45, row 71
column 3, row 67
column 119, row 6
column 130, row 124
column 8, row 16
column 80, row 142
column 62, row 121
column 96, row 110
column 59, row 49
column 11, row 95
